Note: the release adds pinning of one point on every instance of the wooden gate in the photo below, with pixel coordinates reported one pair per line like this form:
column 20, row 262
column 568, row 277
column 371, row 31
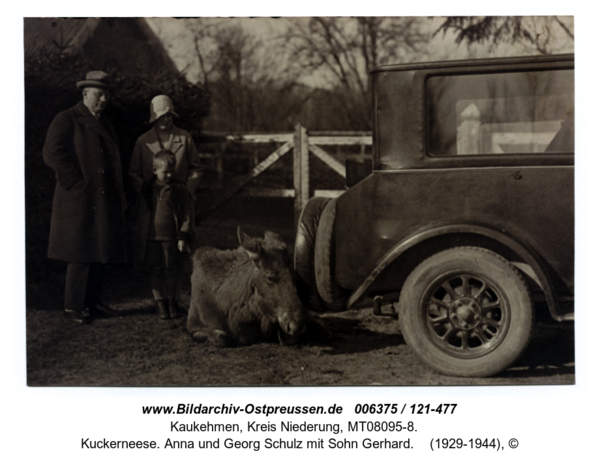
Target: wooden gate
column 300, row 143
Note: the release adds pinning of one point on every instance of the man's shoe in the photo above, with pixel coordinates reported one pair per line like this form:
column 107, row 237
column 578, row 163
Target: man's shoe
column 162, row 308
column 77, row 316
column 103, row 311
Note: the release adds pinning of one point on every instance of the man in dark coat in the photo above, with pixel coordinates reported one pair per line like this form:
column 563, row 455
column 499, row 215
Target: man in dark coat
column 88, row 225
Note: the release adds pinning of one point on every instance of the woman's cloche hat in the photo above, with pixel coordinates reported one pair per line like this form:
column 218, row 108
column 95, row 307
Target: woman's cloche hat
column 161, row 105
column 95, row 79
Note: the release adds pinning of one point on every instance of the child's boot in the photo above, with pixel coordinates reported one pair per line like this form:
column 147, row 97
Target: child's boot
column 162, row 308
column 173, row 309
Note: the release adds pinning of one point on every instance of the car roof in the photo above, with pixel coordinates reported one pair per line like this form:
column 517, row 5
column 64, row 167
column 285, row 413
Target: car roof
column 475, row 62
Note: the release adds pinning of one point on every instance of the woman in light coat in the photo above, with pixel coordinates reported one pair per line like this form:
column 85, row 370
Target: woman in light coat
column 165, row 135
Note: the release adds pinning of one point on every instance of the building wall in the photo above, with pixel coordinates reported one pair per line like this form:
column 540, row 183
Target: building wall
column 124, row 43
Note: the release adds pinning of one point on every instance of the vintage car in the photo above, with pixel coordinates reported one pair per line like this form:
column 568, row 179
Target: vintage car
column 466, row 220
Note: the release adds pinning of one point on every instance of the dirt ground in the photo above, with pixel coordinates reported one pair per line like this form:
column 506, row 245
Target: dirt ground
column 139, row 349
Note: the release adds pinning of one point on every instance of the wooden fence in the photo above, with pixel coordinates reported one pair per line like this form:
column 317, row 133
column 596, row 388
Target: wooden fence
column 300, row 143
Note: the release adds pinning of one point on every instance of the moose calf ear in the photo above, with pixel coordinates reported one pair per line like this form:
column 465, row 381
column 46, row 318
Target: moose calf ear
column 274, row 240
column 250, row 245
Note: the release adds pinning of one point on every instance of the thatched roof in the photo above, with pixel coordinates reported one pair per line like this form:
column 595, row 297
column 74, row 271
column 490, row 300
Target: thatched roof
column 127, row 41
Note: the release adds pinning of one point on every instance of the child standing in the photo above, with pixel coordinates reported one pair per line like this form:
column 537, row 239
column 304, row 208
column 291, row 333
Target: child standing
column 164, row 231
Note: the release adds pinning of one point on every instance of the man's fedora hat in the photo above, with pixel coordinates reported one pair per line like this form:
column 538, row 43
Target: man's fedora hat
column 95, row 79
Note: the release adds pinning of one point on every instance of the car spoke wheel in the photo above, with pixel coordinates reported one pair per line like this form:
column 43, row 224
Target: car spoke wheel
column 465, row 314
column 466, row 311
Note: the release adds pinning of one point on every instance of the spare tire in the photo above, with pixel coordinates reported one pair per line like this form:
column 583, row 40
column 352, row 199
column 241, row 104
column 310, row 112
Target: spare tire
column 332, row 295
column 304, row 253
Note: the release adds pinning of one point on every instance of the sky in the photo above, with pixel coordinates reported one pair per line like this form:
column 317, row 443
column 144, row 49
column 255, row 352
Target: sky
column 177, row 36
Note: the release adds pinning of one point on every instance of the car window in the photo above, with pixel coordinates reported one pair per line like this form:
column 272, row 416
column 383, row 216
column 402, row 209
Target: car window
column 504, row 113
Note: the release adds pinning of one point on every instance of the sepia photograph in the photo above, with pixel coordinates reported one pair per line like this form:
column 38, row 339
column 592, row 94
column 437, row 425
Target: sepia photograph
column 299, row 201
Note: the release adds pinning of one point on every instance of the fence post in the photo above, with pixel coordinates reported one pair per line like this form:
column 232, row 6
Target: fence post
column 301, row 183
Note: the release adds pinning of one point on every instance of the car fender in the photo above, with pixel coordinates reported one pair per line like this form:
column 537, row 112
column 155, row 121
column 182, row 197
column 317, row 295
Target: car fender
column 520, row 248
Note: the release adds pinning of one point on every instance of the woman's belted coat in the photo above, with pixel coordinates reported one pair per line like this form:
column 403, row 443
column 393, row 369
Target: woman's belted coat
column 188, row 169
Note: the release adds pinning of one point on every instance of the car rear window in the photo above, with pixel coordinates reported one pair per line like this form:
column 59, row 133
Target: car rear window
column 504, row 113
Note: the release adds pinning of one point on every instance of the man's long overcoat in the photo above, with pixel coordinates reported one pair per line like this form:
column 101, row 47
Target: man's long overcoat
column 88, row 222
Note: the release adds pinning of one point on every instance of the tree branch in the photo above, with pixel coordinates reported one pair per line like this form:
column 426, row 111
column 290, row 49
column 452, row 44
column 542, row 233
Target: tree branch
column 564, row 27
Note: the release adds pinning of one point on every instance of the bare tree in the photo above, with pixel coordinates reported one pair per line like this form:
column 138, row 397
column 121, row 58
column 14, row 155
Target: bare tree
column 345, row 49
column 252, row 86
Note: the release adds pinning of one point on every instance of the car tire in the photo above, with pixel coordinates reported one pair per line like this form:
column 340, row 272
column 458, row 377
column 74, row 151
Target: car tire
column 332, row 295
column 304, row 253
column 466, row 312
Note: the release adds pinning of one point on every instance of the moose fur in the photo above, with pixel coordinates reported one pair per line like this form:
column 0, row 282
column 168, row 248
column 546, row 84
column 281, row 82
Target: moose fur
column 244, row 296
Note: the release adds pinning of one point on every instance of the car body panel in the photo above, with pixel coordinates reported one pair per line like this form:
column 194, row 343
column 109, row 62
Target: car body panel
column 529, row 198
